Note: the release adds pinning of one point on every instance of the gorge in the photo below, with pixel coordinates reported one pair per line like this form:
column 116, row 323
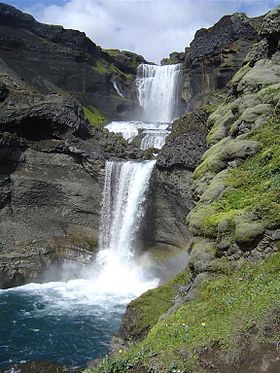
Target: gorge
column 139, row 202
column 88, row 302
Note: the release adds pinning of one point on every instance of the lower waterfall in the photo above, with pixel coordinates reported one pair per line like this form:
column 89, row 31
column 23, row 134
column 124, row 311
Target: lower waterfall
column 72, row 322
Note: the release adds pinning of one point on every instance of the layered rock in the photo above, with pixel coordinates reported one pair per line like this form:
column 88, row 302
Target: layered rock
column 51, row 176
column 172, row 199
column 215, row 55
column 53, row 59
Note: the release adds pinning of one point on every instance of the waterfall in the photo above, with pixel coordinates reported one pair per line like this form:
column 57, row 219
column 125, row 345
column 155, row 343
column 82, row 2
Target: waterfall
column 153, row 139
column 117, row 88
column 158, row 91
column 123, row 206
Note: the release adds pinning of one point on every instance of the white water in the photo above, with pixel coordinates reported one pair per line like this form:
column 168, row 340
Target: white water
column 154, row 134
column 105, row 287
column 153, row 139
column 158, row 91
column 117, row 88
column 114, row 277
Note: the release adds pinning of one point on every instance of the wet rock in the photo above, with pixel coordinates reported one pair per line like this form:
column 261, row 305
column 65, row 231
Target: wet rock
column 51, row 181
column 186, row 143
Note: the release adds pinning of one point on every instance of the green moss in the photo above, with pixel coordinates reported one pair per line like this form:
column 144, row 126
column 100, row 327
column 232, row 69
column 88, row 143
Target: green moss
column 227, row 307
column 94, row 116
column 113, row 52
column 255, row 184
column 105, row 68
column 251, row 189
column 151, row 305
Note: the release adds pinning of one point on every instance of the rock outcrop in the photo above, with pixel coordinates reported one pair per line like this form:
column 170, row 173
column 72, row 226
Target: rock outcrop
column 53, row 59
column 215, row 55
column 51, row 175
column 172, row 199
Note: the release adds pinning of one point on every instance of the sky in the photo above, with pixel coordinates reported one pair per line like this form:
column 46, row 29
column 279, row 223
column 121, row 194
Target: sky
column 153, row 28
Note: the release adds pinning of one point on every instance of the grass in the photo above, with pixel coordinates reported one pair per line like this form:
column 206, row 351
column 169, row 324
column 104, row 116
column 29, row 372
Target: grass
column 113, row 52
column 255, row 185
column 105, row 68
column 151, row 305
column 227, row 306
column 94, row 116
column 252, row 188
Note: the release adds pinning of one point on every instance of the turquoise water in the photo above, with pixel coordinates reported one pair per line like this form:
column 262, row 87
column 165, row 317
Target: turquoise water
column 53, row 323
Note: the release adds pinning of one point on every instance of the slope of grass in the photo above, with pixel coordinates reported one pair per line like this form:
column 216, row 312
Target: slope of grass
column 94, row 116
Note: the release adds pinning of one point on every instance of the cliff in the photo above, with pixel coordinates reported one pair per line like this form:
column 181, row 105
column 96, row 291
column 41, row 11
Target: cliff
column 222, row 313
column 214, row 56
column 51, row 166
column 53, row 59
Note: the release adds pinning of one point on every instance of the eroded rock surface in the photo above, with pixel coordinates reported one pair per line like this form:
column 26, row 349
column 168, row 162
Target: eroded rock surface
column 51, row 181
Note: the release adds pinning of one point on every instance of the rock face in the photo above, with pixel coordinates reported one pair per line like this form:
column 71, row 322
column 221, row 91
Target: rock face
column 172, row 199
column 215, row 55
column 52, row 59
column 51, row 172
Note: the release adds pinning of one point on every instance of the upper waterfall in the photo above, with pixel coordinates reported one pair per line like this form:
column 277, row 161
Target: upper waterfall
column 158, row 91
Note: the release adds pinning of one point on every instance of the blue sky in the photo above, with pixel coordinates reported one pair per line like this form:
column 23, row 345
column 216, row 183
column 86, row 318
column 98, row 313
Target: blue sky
column 153, row 28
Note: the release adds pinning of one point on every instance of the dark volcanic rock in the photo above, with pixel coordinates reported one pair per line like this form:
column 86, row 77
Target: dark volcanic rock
column 172, row 199
column 186, row 143
column 51, row 181
column 53, row 59
column 36, row 116
column 215, row 55
column 228, row 30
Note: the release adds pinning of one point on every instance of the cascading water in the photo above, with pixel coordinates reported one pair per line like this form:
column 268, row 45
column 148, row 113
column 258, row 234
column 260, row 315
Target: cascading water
column 115, row 85
column 159, row 89
column 123, row 205
column 72, row 322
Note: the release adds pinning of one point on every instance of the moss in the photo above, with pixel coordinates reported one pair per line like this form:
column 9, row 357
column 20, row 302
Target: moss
column 202, row 253
column 228, row 306
column 151, row 305
column 240, row 74
column 255, row 184
column 113, row 52
column 94, row 116
column 215, row 159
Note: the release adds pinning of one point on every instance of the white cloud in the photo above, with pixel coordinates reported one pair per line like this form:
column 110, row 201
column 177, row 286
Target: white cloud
column 149, row 27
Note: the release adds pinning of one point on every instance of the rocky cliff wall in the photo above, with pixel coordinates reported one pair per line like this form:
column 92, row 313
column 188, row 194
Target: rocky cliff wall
column 53, row 59
column 51, row 181
column 214, row 56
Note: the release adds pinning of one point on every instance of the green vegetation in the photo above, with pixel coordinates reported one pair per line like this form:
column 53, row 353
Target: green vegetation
column 250, row 189
column 94, row 116
column 105, row 68
column 227, row 306
column 113, row 52
column 256, row 183
column 151, row 305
